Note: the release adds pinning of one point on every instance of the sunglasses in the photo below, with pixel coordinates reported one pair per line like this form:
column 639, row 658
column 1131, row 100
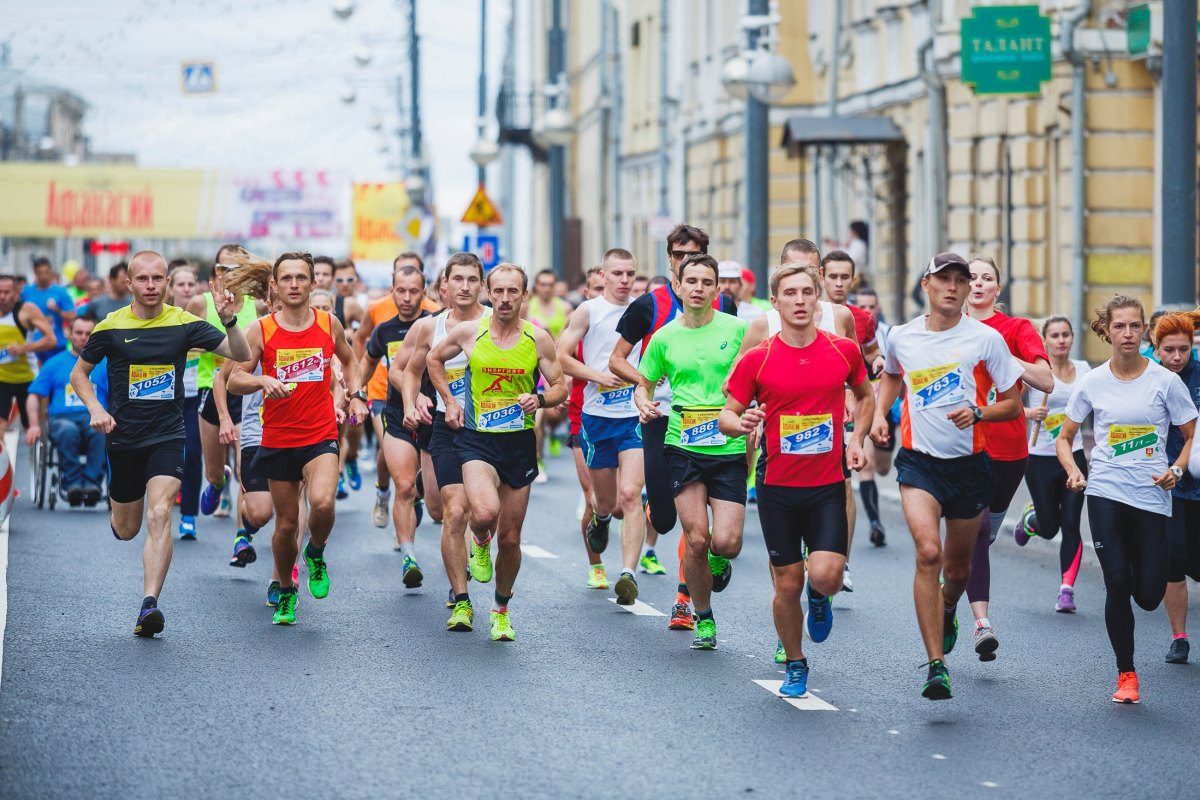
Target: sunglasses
column 683, row 253
column 345, row 280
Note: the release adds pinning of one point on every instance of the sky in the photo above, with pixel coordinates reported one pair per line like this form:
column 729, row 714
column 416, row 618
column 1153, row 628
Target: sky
column 282, row 67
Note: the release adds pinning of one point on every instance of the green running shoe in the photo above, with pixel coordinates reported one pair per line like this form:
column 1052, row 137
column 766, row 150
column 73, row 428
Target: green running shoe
column 463, row 618
column 481, row 561
column 949, row 630
column 937, row 684
column 722, row 571
column 780, row 653
column 285, row 612
column 650, row 565
column 273, row 594
column 502, row 630
column 318, row 576
column 626, row 589
column 412, row 573
column 706, row 635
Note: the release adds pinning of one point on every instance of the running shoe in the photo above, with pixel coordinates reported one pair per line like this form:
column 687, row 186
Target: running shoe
column 752, row 495
column 502, row 630
column 225, row 507
column 342, row 494
column 463, row 618
column 780, row 653
column 706, row 635
column 596, row 577
column 681, row 618
column 795, row 682
column 820, row 616
column 1127, row 688
column 273, row 594
column 626, row 589
column 149, row 622
column 542, row 477
column 847, row 581
column 412, row 573
column 878, row 536
column 318, row 576
column 210, row 496
column 285, row 610
column 597, row 534
column 722, row 571
column 480, row 563
column 1026, row 526
column 450, row 602
column 555, row 446
column 380, row 514
column 650, row 565
column 986, row 643
column 353, row 476
column 937, row 682
column 1178, row 654
column 949, row 630
column 1066, row 601
column 187, row 529
column 243, row 552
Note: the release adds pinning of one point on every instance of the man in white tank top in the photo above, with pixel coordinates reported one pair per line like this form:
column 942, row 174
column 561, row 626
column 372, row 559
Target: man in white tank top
column 611, row 435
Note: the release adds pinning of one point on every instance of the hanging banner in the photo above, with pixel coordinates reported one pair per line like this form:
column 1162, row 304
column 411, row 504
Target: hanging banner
column 305, row 207
column 379, row 214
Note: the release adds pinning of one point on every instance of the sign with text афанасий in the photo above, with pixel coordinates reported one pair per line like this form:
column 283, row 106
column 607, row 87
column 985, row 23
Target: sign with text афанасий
column 1006, row 50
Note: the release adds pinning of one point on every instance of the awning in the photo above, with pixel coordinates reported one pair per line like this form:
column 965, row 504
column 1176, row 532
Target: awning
column 801, row 132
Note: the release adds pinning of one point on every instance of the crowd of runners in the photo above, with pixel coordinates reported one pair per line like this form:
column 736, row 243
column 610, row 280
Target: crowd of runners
column 683, row 398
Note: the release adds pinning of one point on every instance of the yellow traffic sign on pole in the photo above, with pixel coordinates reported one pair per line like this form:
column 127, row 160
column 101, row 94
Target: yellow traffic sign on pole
column 482, row 211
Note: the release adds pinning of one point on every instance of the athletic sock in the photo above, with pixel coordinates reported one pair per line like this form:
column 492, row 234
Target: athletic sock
column 983, row 622
column 605, row 518
column 149, row 602
column 1179, row 636
column 500, row 601
column 458, row 598
column 705, row 614
column 629, row 572
column 382, row 492
column 249, row 529
column 312, row 551
column 681, row 594
column 870, row 498
column 813, row 594
column 803, row 661
column 406, row 549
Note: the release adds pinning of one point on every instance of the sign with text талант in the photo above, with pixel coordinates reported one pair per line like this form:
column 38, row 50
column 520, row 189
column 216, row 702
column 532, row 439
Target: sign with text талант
column 1006, row 50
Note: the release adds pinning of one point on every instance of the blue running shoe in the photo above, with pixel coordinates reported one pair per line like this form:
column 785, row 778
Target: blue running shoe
column 752, row 495
column 353, row 475
column 210, row 498
column 820, row 616
column 273, row 594
column 796, row 682
column 342, row 494
column 243, row 552
column 150, row 621
column 187, row 528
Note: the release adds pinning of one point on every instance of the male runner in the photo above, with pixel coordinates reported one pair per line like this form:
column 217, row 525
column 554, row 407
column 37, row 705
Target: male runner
column 146, row 344
column 17, row 320
column 641, row 285
column 611, row 436
column 798, row 377
column 53, row 300
column 463, row 277
column 947, row 362
column 879, row 459
column 505, row 355
column 397, row 444
column 549, row 312
column 645, row 316
column 706, row 468
column 294, row 347
column 323, row 273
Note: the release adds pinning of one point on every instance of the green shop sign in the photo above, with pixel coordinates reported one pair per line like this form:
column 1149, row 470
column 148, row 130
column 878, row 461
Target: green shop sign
column 1006, row 50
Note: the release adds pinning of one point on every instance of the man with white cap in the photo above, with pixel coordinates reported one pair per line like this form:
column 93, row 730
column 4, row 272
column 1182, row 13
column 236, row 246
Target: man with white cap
column 729, row 283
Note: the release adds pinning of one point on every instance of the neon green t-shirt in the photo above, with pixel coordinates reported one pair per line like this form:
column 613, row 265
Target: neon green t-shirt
column 696, row 362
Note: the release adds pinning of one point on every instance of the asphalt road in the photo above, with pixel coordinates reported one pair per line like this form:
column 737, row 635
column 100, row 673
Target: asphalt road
column 369, row 696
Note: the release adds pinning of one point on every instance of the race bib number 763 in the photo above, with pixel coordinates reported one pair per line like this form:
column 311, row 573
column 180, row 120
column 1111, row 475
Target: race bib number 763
column 936, row 386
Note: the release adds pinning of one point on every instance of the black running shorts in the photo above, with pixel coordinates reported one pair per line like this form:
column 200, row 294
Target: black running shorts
column 724, row 477
column 796, row 518
column 513, row 455
column 962, row 486
column 130, row 470
column 287, row 463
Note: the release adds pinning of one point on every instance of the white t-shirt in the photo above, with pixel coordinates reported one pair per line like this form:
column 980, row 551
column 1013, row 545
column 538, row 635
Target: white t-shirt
column 749, row 311
column 945, row 370
column 1056, row 412
column 598, row 344
column 1132, row 418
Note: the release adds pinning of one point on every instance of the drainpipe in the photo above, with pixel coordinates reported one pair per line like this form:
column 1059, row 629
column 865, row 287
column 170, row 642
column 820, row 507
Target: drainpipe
column 1070, row 24
column 935, row 152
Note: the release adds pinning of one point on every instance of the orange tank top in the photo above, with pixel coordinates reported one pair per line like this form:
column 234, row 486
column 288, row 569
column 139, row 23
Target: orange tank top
column 299, row 359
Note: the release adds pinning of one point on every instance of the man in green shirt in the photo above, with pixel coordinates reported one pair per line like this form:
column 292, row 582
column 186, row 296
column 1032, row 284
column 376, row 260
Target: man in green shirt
column 695, row 352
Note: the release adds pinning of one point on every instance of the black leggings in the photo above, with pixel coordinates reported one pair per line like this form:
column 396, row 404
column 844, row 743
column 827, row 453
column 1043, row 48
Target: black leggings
column 1057, row 507
column 1006, row 479
column 1183, row 540
column 1131, row 544
column 193, row 461
column 658, row 477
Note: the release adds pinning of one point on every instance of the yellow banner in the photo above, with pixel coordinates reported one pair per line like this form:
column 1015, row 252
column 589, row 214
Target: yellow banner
column 379, row 219
column 52, row 200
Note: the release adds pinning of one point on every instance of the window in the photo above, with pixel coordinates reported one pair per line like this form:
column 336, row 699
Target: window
column 635, row 34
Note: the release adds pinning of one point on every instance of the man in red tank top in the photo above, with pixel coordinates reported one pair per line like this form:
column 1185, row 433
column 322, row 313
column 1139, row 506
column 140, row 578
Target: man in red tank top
column 300, row 424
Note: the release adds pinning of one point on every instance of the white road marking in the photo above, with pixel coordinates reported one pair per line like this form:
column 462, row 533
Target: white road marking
column 810, row 703
column 11, row 441
column 989, row 784
column 894, row 732
column 639, row 608
column 938, row 757
column 533, row 551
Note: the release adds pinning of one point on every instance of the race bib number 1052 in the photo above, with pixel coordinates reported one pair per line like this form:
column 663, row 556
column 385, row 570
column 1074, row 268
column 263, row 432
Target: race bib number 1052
column 151, row 382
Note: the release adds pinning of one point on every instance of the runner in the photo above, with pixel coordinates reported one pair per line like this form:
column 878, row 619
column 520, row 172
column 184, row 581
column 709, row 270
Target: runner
column 549, row 312
column 351, row 314
column 181, row 288
column 505, row 354
column 294, row 348
column 1054, row 506
column 463, row 277
column 398, row 445
column 1173, row 347
column 54, row 301
column 323, row 273
column 611, row 436
column 707, row 469
column 946, row 362
column 18, row 320
column 1007, row 441
column 798, row 378
column 117, row 296
column 145, row 425
column 1133, row 402
column 879, row 459
column 641, row 285
column 644, row 317
column 730, row 285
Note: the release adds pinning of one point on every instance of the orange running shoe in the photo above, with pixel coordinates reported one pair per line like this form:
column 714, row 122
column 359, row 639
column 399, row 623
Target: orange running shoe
column 681, row 618
column 1127, row 688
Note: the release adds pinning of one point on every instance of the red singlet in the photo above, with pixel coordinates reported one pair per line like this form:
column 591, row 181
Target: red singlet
column 301, row 360
column 1008, row 440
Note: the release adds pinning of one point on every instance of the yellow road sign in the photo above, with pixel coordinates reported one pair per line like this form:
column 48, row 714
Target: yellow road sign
column 482, row 211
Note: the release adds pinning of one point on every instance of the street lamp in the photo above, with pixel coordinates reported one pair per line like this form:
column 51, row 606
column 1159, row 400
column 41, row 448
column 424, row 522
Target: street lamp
column 342, row 9
column 484, row 152
column 733, row 76
column 770, row 77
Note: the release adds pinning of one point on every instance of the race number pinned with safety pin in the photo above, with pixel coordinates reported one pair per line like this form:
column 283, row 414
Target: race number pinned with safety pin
column 698, row 427
column 936, row 386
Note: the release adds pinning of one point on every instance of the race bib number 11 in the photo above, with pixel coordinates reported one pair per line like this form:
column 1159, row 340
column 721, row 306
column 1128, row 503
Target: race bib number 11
column 151, row 382
column 1133, row 442
column 936, row 386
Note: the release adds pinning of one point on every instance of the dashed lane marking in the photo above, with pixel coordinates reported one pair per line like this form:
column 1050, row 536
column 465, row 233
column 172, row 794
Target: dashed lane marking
column 639, row 608
column 809, row 703
column 533, row 551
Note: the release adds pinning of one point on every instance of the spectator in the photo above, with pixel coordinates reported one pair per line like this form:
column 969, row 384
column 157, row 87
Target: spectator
column 118, row 295
column 78, row 286
column 53, row 300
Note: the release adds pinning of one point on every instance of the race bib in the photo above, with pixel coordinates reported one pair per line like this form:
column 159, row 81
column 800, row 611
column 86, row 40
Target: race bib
column 300, row 365
column 151, row 382
column 620, row 396
column 500, row 415
column 1053, row 424
column 1133, row 442
column 936, row 386
column 193, row 363
column 393, row 348
column 457, row 378
column 698, row 428
column 805, row 435
column 71, row 400
column 7, row 357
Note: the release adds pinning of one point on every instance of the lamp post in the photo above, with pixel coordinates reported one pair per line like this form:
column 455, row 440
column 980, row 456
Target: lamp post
column 556, row 58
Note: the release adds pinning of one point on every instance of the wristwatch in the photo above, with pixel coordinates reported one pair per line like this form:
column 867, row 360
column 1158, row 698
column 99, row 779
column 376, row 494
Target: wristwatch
column 541, row 398
column 360, row 395
column 978, row 412
column 231, row 323
column 1177, row 471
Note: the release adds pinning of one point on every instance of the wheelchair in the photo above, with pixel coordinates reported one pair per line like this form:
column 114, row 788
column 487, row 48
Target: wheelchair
column 46, row 476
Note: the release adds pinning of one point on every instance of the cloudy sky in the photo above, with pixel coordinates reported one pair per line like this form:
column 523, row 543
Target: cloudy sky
column 282, row 67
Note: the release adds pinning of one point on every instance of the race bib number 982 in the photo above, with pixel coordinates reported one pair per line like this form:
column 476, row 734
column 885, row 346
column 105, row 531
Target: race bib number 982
column 698, row 428
column 805, row 435
column 151, row 382
column 936, row 386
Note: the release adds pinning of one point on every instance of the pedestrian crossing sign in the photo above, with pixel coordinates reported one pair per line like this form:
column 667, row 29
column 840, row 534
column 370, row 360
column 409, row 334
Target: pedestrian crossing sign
column 199, row 77
column 482, row 211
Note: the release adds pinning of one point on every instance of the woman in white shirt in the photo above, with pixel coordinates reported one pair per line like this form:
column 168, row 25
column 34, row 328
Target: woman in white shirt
column 1134, row 402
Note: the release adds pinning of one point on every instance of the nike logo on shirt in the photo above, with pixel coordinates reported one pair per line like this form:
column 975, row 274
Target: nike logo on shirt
column 134, row 339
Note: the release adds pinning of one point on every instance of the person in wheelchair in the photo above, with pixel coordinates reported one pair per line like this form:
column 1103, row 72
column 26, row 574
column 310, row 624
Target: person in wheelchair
column 69, row 421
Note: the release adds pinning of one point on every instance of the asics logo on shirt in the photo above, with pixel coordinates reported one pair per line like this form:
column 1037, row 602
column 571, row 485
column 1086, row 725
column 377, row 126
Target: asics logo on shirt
column 724, row 345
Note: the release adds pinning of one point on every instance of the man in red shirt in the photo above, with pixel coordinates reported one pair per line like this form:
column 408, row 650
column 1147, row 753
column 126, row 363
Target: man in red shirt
column 798, row 378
